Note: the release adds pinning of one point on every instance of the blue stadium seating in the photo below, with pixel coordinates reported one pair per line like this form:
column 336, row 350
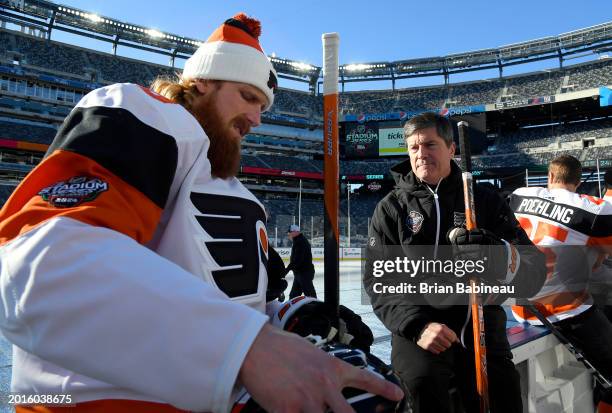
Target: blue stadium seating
column 35, row 53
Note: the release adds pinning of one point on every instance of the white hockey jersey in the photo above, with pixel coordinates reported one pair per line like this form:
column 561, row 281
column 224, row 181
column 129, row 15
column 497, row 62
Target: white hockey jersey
column 608, row 195
column 571, row 229
column 131, row 279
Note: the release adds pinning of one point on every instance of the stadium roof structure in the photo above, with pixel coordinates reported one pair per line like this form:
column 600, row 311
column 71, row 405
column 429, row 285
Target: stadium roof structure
column 595, row 39
column 46, row 16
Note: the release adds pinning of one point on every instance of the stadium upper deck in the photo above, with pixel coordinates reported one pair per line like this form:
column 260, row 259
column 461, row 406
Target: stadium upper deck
column 23, row 55
column 40, row 81
column 40, row 18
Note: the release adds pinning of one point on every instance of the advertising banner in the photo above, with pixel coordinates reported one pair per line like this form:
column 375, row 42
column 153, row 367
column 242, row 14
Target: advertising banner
column 605, row 96
column 525, row 102
column 391, row 142
column 404, row 116
column 317, row 253
column 351, row 253
column 361, row 140
column 362, row 177
column 279, row 172
column 381, row 134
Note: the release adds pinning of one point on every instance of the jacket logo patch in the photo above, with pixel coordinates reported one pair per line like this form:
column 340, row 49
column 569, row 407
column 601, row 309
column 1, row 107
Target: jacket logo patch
column 372, row 241
column 459, row 219
column 73, row 192
column 414, row 221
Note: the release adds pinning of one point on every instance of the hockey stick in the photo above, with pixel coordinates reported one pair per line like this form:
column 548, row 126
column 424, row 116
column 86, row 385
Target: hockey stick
column 331, row 170
column 478, row 327
column 577, row 353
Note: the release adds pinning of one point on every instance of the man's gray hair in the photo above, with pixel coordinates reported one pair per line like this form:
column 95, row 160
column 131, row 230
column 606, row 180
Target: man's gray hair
column 425, row 120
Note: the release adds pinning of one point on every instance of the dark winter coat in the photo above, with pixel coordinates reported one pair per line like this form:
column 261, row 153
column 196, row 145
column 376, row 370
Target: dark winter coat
column 301, row 256
column 408, row 217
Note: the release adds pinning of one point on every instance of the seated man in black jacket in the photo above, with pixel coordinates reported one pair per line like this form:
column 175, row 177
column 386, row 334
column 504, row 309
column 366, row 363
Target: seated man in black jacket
column 432, row 344
column 300, row 264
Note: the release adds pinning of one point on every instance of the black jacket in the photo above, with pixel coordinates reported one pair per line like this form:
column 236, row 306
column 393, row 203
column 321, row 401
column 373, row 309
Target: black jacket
column 407, row 218
column 301, row 256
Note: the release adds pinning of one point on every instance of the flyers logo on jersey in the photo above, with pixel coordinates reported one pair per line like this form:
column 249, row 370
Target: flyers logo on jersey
column 73, row 192
column 239, row 242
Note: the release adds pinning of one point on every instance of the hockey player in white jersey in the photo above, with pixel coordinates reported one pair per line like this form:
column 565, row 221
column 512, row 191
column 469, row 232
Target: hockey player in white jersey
column 572, row 230
column 133, row 262
column 600, row 285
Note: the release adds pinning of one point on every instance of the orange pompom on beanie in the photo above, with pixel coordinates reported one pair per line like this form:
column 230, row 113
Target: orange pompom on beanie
column 232, row 52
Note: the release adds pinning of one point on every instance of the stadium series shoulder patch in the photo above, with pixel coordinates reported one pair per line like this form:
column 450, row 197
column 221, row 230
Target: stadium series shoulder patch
column 73, row 192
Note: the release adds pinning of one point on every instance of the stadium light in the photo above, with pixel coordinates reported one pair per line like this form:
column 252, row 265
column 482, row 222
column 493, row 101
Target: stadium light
column 94, row 18
column 356, row 67
column 154, row 33
column 304, row 67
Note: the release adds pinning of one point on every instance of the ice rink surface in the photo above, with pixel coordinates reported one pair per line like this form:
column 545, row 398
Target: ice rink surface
column 350, row 296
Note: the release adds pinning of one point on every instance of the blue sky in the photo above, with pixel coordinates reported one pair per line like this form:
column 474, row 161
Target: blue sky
column 376, row 30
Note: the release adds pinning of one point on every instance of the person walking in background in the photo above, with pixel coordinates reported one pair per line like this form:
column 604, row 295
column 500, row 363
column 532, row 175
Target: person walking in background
column 301, row 264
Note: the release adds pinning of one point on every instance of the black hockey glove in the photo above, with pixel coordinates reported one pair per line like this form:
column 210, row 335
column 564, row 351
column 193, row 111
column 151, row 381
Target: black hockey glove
column 362, row 335
column 308, row 316
column 495, row 259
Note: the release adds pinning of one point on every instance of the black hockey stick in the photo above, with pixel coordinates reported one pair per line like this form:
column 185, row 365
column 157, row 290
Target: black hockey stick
column 478, row 327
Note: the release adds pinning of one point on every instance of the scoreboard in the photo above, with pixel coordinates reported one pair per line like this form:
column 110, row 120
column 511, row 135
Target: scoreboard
column 383, row 138
column 372, row 139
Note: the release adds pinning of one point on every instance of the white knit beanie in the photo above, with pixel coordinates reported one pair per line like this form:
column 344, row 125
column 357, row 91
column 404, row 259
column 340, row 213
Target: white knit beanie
column 233, row 53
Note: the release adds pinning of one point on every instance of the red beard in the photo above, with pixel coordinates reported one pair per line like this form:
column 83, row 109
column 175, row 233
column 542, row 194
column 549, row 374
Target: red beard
column 224, row 150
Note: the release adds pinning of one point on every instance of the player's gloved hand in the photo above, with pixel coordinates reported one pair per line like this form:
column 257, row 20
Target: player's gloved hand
column 499, row 259
column 361, row 333
column 308, row 316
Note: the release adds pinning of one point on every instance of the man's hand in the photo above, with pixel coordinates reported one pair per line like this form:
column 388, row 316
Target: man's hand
column 437, row 338
column 285, row 373
column 500, row 259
